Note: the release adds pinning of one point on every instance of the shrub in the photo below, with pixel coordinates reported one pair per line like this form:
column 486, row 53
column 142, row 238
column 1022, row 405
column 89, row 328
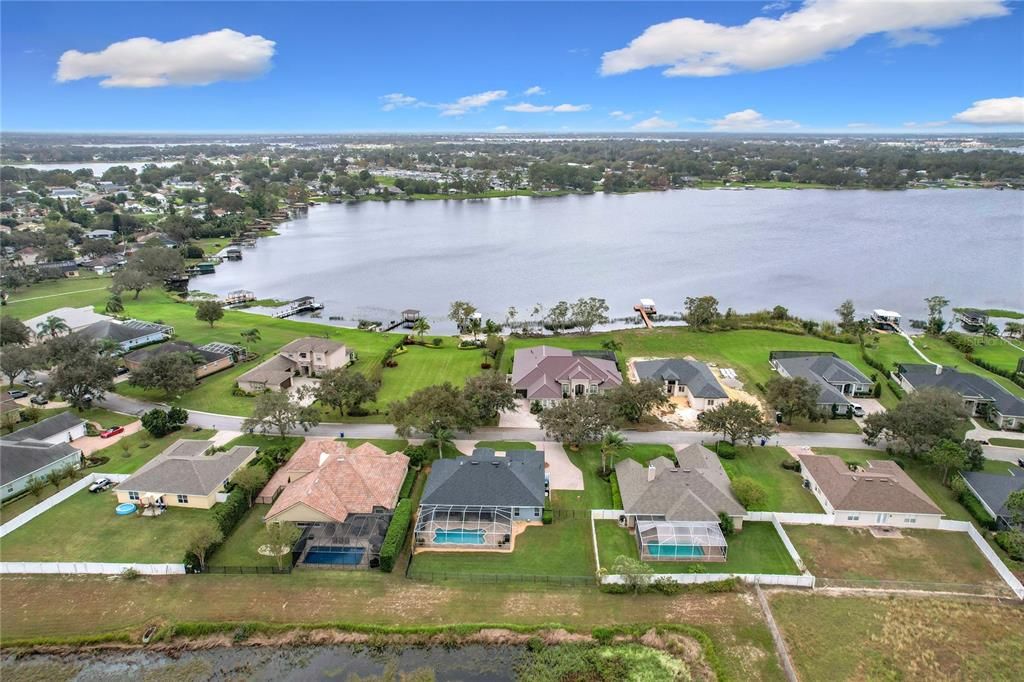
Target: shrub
column 129, row 574
column 358, row 412
column 613, row 480
column 193, row 251
column 407, row 484
column 485, row 365
column 1012, row 542
column 91, row 430
column 395, row 537
column 726, row 523
column 792, row 465
column 725, row 450
column 239, row 393
column 419, row 455
column 547, row 517
column 749, row 492
column 536, row 407
column 437, row 341
column 971, row 503
column 666, row 585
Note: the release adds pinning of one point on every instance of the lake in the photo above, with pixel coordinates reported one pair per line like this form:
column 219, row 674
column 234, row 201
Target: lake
column 805, row 249
column 97, row 168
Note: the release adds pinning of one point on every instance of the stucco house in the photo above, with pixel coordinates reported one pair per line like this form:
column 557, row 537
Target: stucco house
column 127, row 335
column 208, row 361
column 838, row 379
column 979, row 393
column 326, row 481
column 550, row 375
column 882, row 494
column 60, row 428
column 674, row 510
column 37, row 450
column 75, row 318
column 306, row 357
column 686, row 378
column 482, row 501
column 186, row 474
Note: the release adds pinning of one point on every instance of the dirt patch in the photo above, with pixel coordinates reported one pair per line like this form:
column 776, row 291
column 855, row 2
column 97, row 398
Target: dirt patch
column 528, row 604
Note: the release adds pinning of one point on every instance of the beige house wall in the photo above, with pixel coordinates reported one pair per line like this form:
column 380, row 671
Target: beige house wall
column 301, row 513
column 171, row 499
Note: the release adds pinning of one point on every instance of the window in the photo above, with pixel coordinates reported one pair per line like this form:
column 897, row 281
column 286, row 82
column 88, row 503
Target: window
column 853, row 517
column 182, row 499
column 910, row 519
column 133, row 495
column 711, row 402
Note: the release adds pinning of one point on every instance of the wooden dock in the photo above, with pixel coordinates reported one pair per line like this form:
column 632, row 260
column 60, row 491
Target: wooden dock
column 306, row 304
column 646, row 307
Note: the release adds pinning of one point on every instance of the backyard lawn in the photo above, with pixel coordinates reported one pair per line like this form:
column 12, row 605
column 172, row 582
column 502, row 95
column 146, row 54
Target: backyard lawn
column 239, row 549
column 85, row 528
column 784, row 491
column 73, row 292
column 920, row 556
column 1000, row 353
column 755, row 549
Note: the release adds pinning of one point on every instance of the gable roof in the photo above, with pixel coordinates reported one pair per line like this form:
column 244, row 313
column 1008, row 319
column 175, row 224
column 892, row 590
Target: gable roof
column 274, row 371
column 965, row 384
column 882, row 487
column 23, row 457
column 697, row 490
column 340, row 480
column 311, row 344
column 115, row 331
column 46, row 428
column 488, row 479
column 184, row 468
column 994, row 489
column 539, row 370
column 74, row 318
column 823, row 369
column 696, row 376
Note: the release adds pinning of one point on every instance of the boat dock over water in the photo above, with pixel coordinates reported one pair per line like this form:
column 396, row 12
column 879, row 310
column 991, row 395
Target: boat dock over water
column 305, row 304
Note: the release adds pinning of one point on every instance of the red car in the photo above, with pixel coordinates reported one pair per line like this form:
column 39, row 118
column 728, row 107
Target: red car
column 113, row 431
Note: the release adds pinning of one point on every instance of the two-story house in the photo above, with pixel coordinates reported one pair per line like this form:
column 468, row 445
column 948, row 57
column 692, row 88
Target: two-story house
column 306, row 357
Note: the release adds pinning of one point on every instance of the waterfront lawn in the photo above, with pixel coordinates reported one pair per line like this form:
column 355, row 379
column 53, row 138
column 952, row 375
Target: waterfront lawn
column 784, row 491
column 999, row 352
column 896, row 639
column 240, row 548
column 597, row 492
column 85, row 528
column 506, row 445
column 422, row 366
column 926, row 556
column 755, row 549
column 71, row 292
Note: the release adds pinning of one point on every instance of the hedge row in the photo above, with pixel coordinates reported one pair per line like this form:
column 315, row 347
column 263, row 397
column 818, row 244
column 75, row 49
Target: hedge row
column 616, row 494
column 395, row 537
column 408, row 483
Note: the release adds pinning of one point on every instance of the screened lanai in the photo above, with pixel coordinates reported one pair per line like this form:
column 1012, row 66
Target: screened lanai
column 464, row 526
column 680, row 541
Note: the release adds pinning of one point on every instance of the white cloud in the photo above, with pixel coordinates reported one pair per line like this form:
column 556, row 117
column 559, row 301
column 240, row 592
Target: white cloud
column 859, row 124
column 397, row 100
column 527, row 108
column 692, row 47
column 997, row 111
column 925, row 124
column 203, row 59
column 471, row 103
column 655, row 123
column 750, row 119
column 535, row 90
column 501, row 129
column 776, row 6
column 621, row 115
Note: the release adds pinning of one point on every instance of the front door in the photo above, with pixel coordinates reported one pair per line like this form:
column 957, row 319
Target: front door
column 881, row 518
column 579, row 390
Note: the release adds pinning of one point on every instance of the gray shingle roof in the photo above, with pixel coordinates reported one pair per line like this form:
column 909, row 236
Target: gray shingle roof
column 115, row 331
column 824, row 370
column 994, row 489
column 484, row 478
column 185, row 469
column 143, row 354
column 21, row 458
column 47, row 428
column 696, row 376
column 965, row 384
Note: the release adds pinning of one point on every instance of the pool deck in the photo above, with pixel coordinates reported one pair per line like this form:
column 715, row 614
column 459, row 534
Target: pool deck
column 517, row 528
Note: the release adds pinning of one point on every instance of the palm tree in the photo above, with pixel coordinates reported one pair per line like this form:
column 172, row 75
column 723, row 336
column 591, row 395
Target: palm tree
column 53, row 327
column 115, row 305
column 612, row 345
column 611, row 444
column 421, row 327
column 1013, row 329
column 250, row 336
column 491, row 327
column 475, row 326
column 441, row 436
column 990, row 331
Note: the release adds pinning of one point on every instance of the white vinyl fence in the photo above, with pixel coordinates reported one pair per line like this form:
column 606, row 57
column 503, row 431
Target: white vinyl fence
column 87, row 568
column 750, row 578
column 791, row 518
column 55, row 499
column 1008, row 577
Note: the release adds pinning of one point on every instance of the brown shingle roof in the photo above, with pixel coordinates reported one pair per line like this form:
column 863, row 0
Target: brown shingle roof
column 311, row 344
column 882, row 487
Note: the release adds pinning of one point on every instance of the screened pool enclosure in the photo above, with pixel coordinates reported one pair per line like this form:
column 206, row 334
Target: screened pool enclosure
column 443, row 526
column 680, row 541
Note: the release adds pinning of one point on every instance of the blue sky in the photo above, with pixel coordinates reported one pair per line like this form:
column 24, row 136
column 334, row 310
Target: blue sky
column 826, row 65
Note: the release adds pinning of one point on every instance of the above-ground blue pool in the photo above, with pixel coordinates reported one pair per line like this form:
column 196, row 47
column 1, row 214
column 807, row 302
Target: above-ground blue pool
column 459, row 536
column 670, row 551
column 337, row 556
column 124, row 509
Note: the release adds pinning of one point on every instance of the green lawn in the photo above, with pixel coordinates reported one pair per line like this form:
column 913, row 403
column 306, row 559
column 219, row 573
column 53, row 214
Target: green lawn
column 928, row 556
column 597, row 492
column 85, row 528
column 755, row 549
column 240, row 547
column 420, row 366
column 506, row 445
column 131, row 452
column 999, row 353
column 72, row 292
column 784, row 489
column 1007, row 442
column 831, row 426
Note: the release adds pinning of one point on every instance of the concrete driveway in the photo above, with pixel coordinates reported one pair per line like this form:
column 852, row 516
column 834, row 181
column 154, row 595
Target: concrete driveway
column 91, row 444
column 519, row 418
column 562, row 473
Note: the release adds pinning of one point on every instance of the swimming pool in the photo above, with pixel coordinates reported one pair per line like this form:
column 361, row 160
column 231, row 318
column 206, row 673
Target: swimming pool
column 337, row 556
column 459, row 536
column 674, row 551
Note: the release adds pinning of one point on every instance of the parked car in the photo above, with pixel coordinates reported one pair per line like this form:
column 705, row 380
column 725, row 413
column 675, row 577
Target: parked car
column 122, row 370
column 100, row 485
column 17, row 394
column 112, row 431
column 1020, row 462
column 38, row 400
column 34, row 383
column 858, row 410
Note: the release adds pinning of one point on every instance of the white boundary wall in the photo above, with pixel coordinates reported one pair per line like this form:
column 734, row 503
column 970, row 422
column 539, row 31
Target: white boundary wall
column 55, row 499
column 988, row 552
column 793, row 554
column 751, row 578
column 87, row 568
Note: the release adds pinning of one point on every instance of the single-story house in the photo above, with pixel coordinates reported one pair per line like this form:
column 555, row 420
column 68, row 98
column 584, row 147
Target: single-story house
column 550, row 374
column 60, row 428
column 674, row 510
column 75, row 318
column 207, row 361
column 63, row 193
column 10, row 412
column 184, row 475
column 127, row 335
column 306, row 357
column 979, row 393
column 22, row 460
column 992, row 491
column 105, row 264
column 882, row 494
column 687, row 378
column 325, row 481
column 481, row 501
column 838, row 379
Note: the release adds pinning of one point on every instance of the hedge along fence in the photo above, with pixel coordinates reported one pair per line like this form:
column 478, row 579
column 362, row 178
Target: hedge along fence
column 395, row 538
column 613, row 481
column 408, row 483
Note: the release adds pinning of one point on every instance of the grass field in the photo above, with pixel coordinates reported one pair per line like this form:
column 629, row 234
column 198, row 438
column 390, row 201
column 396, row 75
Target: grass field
column 597, row 492
column 913, row 639
column 85, row 528
column 506, row 445
column 239, row 549
column 925, row 556
column 419, row 367
column 1007, row 442
column 755, row 549
column 999, row 353
column 72, row 292
column 784, row 489
column 131, row 452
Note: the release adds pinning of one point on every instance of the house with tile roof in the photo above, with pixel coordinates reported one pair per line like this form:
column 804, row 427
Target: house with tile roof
column 838, row 379
column 686, row 378
column 980, row 394
column 326, row 481
column 879, row 494
column 550, row 375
